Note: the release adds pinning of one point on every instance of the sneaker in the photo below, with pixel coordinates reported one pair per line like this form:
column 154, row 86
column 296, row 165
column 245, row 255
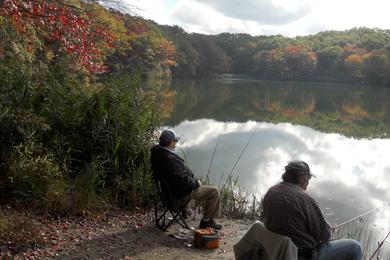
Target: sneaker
column 211, row 223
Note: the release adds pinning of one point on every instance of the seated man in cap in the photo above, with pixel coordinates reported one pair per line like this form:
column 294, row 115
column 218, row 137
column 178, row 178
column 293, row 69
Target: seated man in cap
column 184, row 186
column 287, row 209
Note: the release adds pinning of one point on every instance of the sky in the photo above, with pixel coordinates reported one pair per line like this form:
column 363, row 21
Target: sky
column 265, row 17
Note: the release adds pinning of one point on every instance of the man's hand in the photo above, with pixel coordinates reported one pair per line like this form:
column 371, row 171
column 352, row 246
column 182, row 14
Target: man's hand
column 200, row 183
column 333, row 228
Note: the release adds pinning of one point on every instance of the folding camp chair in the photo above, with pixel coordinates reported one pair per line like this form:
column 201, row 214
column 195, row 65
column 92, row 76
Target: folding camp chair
column 166, row 207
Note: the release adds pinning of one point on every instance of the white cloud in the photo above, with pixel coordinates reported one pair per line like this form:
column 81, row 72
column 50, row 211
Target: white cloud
column 198, row 17
column 262, row 11
column 259, row 17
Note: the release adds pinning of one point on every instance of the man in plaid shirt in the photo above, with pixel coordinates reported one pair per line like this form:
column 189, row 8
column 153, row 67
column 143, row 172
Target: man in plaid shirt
column 287, row 209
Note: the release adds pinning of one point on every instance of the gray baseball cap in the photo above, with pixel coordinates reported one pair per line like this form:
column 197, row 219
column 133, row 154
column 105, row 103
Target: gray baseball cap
column 298, row 167
column 168, row 136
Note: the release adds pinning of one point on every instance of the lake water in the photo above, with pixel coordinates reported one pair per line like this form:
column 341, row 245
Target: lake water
column 257, row 127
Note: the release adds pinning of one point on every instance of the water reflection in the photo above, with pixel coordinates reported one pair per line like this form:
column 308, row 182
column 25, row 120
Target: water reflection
column 350, row 110
column 352, row 175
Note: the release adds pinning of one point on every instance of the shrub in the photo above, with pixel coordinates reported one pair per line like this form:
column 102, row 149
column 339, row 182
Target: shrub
column 80, row 145
column 70, row 140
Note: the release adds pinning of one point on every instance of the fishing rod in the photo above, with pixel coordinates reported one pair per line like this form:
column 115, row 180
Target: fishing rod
column 212, row 158
column 352, row 219
column 380, row 245
column 229, row 177
column 361, row 215
column 242, row 152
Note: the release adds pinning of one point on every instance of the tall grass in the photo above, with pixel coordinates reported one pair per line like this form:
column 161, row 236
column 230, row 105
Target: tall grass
column 72, row 146
column 234, row 200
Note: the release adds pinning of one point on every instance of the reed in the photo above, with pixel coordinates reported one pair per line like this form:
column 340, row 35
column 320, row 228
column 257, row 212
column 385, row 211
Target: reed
column 362, row 229
column 73, row 147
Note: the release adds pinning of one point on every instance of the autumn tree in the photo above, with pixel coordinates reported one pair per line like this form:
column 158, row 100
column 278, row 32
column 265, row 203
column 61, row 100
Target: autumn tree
column 63, row 29
column 186, row 56
column 354, row 66
column 141, row 47
column 299, row 61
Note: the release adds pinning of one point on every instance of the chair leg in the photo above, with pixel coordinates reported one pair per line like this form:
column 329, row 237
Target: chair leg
column 160, row 220
column 183, row 223
column 163, row 223
column 178, row 218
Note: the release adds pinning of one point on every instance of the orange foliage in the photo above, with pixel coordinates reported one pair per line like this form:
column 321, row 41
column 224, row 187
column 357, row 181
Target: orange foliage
column 167, row 52
column 290, row 112
column 292, row 50
column 310, row 108
column 355, row 112
column 312, row 55
column 349, row 50
column 354, row 59
column 167, row 103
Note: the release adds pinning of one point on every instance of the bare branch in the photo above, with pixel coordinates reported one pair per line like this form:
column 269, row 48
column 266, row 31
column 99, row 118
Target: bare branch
column 118, row 5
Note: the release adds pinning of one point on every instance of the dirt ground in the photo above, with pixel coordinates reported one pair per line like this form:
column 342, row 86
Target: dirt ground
column 110, row 234
column 149, row 242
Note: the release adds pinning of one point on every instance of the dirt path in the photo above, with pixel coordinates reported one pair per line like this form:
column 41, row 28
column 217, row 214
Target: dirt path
column 149, row 242
column 112, row 234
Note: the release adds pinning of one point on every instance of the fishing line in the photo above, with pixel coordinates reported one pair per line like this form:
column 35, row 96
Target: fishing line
column 212, row 158
column 242, row 152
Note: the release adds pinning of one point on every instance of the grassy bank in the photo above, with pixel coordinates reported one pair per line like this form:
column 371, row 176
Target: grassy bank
column 70, row 148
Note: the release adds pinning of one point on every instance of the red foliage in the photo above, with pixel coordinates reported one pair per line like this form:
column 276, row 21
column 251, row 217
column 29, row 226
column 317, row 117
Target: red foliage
column 293, row 51
column 74, row 31
column 166, row 52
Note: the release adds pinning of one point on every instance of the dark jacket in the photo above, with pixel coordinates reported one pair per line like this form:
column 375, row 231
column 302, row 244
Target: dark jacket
column 166, row 164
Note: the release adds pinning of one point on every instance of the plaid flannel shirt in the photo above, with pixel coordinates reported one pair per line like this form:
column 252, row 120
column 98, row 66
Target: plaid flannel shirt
column 289, row 210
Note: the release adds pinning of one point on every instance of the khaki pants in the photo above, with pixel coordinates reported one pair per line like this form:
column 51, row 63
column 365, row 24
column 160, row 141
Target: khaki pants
column 209, row 197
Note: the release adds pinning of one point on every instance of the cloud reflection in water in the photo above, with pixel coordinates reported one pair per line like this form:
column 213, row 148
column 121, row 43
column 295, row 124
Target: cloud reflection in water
column 352, row 174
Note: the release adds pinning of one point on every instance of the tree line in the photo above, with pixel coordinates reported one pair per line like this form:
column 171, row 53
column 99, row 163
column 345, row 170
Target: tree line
column 359, row 55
